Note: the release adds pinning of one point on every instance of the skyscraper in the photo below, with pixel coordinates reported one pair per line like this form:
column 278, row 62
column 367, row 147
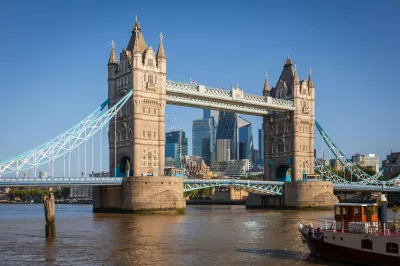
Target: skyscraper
column 202, row 129
column 176, row 146
column 227, row 129
column 245, row 139
column 214, row 116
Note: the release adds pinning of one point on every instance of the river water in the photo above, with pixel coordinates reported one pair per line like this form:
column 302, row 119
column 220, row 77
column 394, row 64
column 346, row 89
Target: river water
column 206, row 235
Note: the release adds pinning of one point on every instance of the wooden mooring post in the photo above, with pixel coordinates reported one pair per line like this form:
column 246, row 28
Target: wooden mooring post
column 49, row 211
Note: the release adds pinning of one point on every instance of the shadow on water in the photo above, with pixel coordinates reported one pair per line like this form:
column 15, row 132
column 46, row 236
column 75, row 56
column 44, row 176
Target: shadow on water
column 289, row 254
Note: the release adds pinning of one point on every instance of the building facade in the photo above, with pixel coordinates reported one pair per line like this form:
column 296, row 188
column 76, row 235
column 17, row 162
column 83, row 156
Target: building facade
column 367, row 161
column 202, row 129
column 245, row 139
column 227, row 130
column 392, row 164
column 214, row 116
column 138, row 132
column 260, row 147
column 289, row 136
column 176, row 146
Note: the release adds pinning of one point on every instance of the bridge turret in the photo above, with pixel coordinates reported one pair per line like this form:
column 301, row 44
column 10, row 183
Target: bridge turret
column 161, row 57
column 137, row 53
column 112, row 70
column 311, row 86
column 266, row 90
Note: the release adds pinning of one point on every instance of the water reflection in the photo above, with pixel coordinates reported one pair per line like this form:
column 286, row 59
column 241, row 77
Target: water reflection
column 206, row 235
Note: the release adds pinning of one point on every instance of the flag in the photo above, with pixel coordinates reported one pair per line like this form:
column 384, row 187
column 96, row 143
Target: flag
column 192, row 81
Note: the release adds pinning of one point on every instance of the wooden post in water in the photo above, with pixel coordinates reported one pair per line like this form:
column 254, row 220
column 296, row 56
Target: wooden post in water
column 49, row 211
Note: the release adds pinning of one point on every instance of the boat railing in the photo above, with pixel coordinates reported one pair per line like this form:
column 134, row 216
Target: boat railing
column 318, row 224
column 391, row 227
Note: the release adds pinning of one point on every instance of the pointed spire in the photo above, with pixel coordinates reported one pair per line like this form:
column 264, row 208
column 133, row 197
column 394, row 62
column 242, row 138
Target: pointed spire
column 296, row 78
column 310, row 80
column 113, row 58
column 161, row 51
column 266, row 89
column 136, row 47
column 137, row 35
column 288, row 61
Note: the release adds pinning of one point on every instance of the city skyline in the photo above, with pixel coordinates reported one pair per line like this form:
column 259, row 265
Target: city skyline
column 73, row 63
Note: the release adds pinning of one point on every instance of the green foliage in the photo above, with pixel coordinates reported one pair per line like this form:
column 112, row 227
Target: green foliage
column 26, row 194
column 199, row 194
column 348, row 176
column 395, row 209
column 251, row 177
column 371, row 210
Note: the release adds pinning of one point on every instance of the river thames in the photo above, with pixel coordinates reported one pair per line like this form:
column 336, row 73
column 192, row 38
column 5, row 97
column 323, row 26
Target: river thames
column 206, row 235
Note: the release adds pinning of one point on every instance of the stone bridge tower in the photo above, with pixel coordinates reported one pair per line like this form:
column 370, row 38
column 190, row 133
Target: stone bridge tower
column 140, row 125
column 289, row 145
column 289, row 136
column 140, row 132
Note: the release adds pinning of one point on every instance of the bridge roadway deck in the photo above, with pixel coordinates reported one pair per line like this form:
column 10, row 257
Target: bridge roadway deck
column 258, row 186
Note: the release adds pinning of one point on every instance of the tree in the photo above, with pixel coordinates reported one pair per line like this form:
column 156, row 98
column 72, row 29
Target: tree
column 395, row 209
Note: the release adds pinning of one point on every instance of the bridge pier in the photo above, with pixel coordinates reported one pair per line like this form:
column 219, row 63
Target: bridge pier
column 312, row 194
column 141, row 194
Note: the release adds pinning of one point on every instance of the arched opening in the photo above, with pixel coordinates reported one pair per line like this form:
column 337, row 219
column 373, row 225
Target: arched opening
column 122, row 164
column 283, row 173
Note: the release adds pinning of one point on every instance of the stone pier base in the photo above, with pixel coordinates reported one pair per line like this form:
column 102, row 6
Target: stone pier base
column 315, row 194
column 142, row 194
column 312, row 194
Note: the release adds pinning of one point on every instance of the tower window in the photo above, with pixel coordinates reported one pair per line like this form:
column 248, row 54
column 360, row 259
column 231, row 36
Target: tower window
column 150, row 62
column 150, row 77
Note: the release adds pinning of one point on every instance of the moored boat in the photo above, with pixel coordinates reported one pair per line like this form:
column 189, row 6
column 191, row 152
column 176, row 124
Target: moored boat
column 354, row 236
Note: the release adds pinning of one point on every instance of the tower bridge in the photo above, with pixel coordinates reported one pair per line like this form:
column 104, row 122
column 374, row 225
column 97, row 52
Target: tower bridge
column 138, row 92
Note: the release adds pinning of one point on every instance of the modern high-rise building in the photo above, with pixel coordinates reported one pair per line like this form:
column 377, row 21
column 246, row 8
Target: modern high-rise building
column 245, row 139
column 214, row 116
column 227, row 130
column 176, row 145
column 202, row 129
column 224, row 150
column 206, row 151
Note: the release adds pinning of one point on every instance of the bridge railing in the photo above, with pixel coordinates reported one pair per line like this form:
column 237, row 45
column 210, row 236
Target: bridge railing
column 232, row 181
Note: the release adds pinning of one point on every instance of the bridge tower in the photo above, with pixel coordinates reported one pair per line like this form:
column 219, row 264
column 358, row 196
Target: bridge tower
column 140, row 131
column 289, row 136
column 289, row 145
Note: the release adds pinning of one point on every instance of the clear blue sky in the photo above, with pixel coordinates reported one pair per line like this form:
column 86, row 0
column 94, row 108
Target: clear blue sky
column 53, row 66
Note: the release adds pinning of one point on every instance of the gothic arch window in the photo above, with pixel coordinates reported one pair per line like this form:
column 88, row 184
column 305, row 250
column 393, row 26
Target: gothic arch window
column 151, row 79
column 155, row 80
column 150, row 62
column 281, row 147
column 149, row 134
column 144, row 136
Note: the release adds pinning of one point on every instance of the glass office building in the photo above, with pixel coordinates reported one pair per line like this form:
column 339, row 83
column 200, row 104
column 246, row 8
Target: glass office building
column 176, row 145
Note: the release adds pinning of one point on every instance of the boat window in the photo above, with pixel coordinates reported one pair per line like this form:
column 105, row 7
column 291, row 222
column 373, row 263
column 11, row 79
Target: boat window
column 392, row 248
column 337, row 210
column 356, row 211
column 366, row 244
column 344, row 211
